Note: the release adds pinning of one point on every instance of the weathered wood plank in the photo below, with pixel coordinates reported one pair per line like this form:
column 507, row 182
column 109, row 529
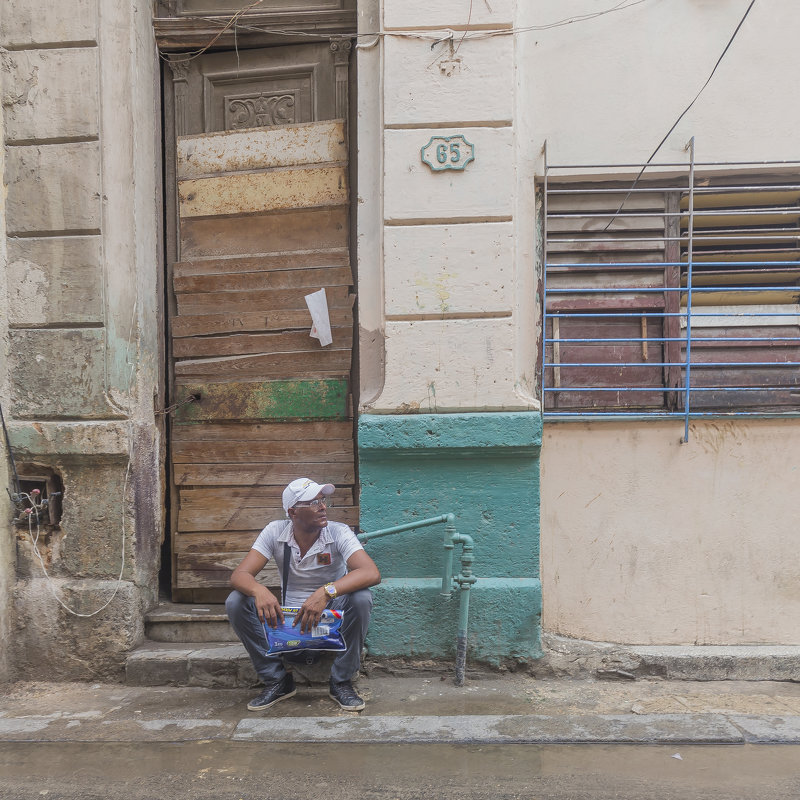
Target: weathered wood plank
column 261, row 148
column 624, row 222
column 237, row 519
column 303, row 229
column 610, row 260
column 298, row 259
column 338, row 473
column 252, row 343
column 260, row 452
column 296, row 364
column 599, row 244
column 207, row 594
column 307, row 277
column 600, row 202
column 225, row 560
column 253, row 192
column 206, row 580
column 211, row 542
column 264, row 300
column 620, row 278
column 250, row 497
column 296, row 399
column 255, row 431
column 215, row 541
column 254, row 322
column 612, row 354
column 617, row 302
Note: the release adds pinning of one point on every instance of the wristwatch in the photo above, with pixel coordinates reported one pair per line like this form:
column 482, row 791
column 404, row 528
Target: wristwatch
column 330, row 590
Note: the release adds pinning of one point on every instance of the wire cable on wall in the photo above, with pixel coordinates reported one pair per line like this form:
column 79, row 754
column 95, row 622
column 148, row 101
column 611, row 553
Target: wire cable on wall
column 33, row 511
column 235, row 21
column 681, row 115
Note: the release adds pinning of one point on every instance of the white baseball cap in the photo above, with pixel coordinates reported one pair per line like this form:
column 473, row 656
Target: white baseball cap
column 301, row 489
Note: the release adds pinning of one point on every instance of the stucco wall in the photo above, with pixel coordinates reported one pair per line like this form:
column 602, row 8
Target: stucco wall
column 446, row 282
column 645, row 539
column 608, row 89
column 649, row 540
column 80, row 114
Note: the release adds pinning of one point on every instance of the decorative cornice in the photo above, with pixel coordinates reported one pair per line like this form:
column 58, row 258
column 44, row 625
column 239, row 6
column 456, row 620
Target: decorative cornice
column 180, row 33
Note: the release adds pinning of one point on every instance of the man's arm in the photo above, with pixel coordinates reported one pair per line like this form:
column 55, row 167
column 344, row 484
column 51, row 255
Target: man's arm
column 243, row 578
column 362, row 573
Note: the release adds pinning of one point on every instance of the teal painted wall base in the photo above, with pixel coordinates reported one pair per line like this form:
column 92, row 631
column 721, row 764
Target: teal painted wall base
column 484, row 468
column 412, row 619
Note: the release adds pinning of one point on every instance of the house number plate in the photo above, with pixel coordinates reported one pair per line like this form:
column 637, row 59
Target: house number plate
column 448, row 152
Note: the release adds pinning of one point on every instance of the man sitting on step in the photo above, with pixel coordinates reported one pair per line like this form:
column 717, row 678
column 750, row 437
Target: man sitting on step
column 328, row 567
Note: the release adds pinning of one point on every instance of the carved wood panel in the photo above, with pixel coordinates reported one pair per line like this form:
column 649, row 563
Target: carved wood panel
column 264, row 87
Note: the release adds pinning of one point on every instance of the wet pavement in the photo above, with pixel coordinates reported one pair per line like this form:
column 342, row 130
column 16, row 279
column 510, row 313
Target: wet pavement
column 504, row 709
column 501, row 737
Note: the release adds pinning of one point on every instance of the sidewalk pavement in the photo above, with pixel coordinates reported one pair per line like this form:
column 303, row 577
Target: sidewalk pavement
column 493, row 709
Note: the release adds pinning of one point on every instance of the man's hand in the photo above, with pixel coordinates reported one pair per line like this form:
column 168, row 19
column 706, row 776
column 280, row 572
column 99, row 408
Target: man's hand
column 267, row 606
column 311, row 611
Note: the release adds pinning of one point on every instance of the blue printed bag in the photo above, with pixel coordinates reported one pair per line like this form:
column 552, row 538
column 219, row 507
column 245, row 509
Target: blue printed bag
column 325, row 635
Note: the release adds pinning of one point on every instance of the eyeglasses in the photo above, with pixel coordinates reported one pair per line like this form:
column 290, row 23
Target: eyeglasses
column 316, row 503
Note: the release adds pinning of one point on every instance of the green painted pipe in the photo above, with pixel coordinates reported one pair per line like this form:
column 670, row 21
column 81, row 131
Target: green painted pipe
column 410, row 526
column 463, row 580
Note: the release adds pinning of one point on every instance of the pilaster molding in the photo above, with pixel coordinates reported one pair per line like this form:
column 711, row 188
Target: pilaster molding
column 341, row 47
column 180, row 66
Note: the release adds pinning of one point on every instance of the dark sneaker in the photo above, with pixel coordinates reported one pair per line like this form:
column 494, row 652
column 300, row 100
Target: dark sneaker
column 273, row 693
column 345, row 695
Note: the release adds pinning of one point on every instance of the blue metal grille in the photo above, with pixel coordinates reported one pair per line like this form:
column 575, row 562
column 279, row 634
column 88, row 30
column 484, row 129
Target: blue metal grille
column 673, row 297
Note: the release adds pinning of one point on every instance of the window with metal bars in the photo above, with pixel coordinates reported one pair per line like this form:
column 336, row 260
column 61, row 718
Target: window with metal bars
column 678, row 296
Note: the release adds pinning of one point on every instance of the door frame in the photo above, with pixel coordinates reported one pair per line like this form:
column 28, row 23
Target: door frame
column 178, row 29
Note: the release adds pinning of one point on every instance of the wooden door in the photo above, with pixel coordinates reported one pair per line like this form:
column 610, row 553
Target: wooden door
column 261, row 220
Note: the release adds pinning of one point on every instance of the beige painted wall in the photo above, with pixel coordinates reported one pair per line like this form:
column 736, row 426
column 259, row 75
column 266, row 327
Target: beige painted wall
column 608, row 89
column 645, row 539
column 649, row 540
column 446, row 274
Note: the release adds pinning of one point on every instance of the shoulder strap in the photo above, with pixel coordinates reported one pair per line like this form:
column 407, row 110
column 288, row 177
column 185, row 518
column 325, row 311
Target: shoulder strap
column 287, row 554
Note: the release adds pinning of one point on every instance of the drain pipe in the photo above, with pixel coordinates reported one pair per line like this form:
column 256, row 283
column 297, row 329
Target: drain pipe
column 463, row 580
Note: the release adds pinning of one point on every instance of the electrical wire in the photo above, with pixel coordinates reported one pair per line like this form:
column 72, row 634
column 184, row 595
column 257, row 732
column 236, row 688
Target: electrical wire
column 34, row 511
column 376, row 36
column 466, row 28
column 682, row 114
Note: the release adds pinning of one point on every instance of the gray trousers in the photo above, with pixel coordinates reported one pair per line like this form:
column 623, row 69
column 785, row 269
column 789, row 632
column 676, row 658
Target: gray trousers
column 357, row 608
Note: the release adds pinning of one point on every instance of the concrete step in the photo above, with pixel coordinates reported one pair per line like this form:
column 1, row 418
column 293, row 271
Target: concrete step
column 184, row 623
column 565, row 657
column 194, row 645
column 213, row 665
column 208, row 664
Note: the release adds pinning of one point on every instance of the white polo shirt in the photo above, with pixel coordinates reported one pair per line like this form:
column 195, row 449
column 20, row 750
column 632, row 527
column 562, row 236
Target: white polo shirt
column 325, row 561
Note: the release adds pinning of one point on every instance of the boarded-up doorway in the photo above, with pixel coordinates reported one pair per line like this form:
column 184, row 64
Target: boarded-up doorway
column 260, row 200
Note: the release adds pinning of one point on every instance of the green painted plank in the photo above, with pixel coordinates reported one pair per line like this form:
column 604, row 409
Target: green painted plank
column 301, row 399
